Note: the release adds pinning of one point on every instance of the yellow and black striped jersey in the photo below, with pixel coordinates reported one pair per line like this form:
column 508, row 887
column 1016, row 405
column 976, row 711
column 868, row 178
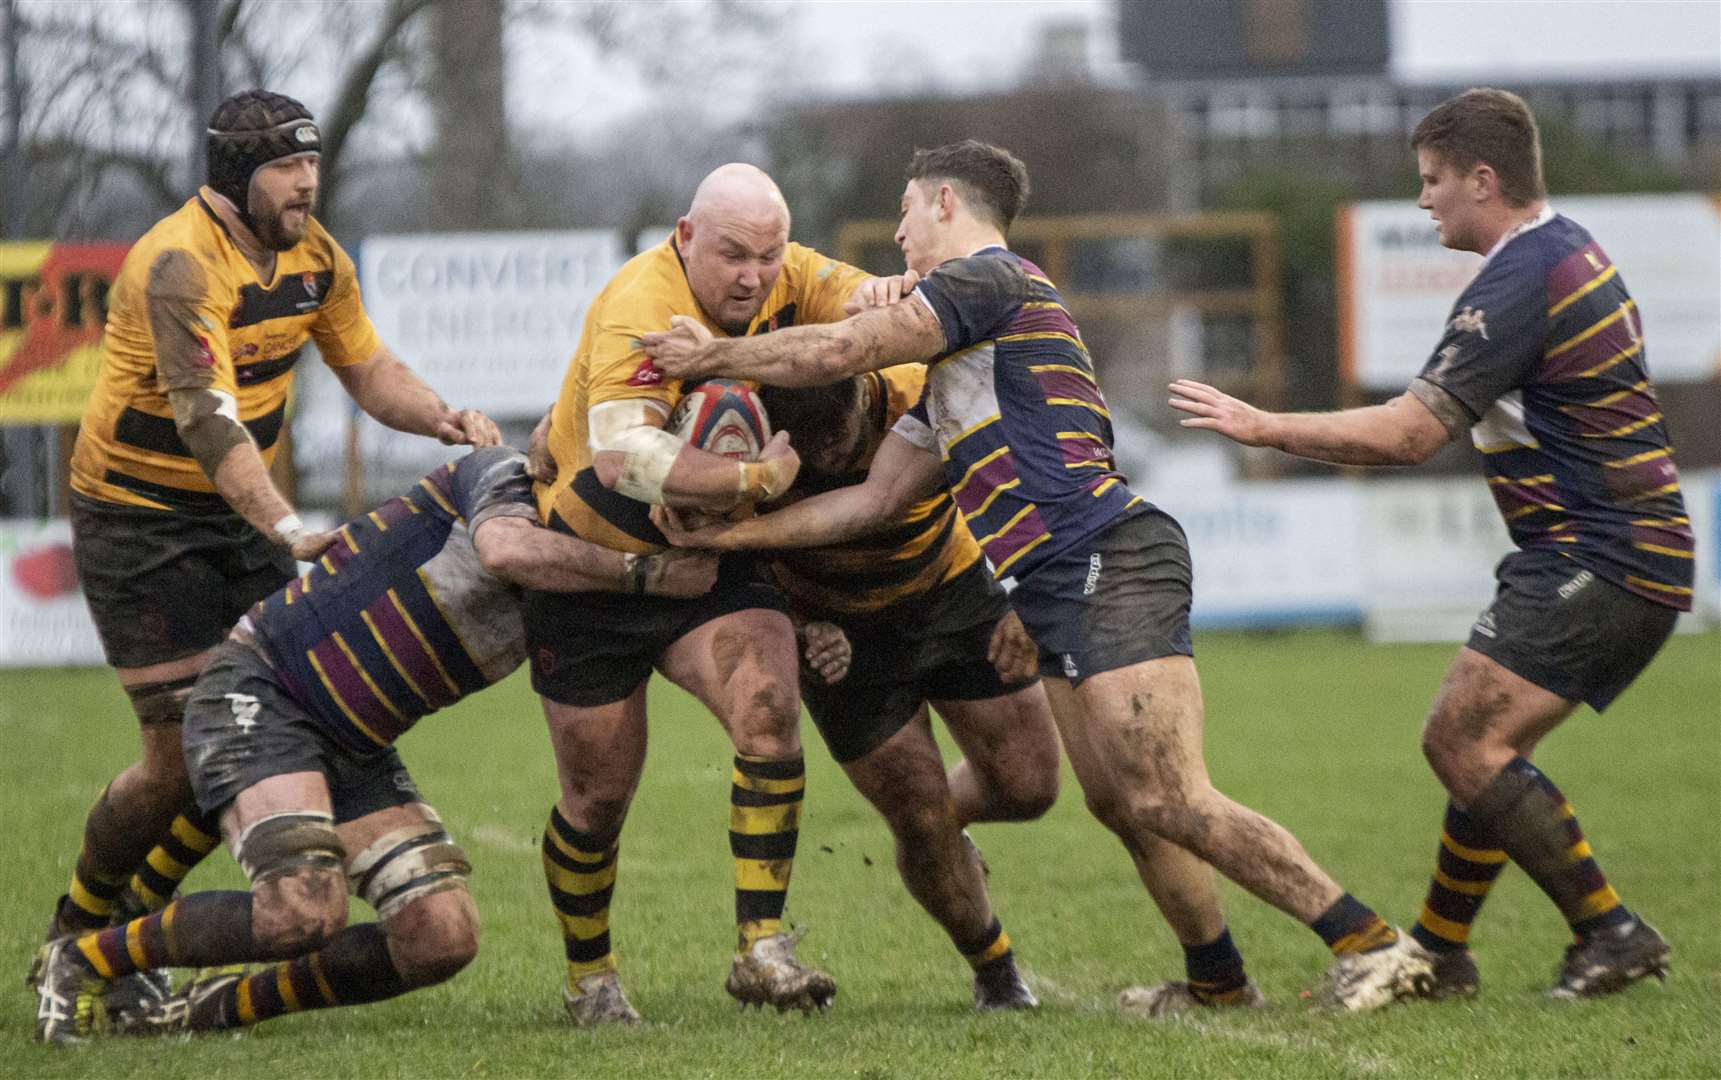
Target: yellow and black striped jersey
column 245, row 337
column 925, row 547
column 610, row 365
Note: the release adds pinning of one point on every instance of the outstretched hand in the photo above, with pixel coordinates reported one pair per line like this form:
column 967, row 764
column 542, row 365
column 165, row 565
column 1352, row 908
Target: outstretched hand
column 467, row 427
column 678, row 351
column 1218, row 411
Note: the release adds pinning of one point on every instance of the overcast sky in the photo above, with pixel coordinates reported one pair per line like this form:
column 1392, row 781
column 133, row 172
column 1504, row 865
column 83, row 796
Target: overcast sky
column 843, row 48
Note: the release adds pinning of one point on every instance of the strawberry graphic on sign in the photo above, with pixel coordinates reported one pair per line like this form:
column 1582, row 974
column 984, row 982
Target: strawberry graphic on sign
column 46, row 572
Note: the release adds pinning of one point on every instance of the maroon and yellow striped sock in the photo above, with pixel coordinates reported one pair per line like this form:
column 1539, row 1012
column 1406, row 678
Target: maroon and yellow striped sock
column 1465, row 868
column 201, row 929
column 1351, row 926
column 354, row 968
column 1527, row 816
column 992, row 947
column 1215, row 971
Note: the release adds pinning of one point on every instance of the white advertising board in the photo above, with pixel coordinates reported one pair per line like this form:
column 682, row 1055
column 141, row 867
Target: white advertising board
column 1397, row 284
column 1273, row 554
column 43, row 620
column 489, row 319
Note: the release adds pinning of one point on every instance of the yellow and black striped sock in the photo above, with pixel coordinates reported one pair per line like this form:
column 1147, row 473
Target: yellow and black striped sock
column 1465, row 868
column 580, row 870
column 1351, row 926
column 99, row 876
column 191, row 837
column 993, row 947
column 1529, row 818
column 764, row 825
column 1215, row 971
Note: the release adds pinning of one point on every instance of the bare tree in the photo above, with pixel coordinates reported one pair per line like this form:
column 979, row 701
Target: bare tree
column 113, row 98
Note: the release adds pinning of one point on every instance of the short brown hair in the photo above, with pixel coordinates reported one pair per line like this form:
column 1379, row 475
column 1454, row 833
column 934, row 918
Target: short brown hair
column 990, row 179
column 1492, row 127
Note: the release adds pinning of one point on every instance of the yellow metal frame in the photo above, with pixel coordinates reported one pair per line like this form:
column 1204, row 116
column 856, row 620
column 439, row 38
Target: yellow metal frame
column 1055, row 235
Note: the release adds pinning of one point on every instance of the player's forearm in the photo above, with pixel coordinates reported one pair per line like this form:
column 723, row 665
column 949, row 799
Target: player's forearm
column 537, row 558
column 207, row 422
column 695, row 479
column 830, row 518
column 796, row 356
column 1372, row 435
column 393, row 394
column 243, row 481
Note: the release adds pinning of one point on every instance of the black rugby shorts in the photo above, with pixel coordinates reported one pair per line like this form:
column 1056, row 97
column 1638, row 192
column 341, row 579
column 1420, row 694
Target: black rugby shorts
column 930, row 647
column 162, row 585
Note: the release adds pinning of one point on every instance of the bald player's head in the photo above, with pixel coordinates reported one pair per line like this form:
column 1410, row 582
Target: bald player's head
column 732, row 241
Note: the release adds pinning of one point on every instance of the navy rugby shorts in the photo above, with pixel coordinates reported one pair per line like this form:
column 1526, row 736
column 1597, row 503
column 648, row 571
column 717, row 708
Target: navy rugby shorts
column 1567, row 629
column 1119, row 597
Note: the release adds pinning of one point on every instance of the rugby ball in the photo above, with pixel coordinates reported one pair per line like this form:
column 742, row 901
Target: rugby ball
column 724, row 417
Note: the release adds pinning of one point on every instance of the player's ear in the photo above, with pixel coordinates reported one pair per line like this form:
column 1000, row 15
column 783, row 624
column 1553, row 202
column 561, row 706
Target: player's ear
column 1484, row 181
column 946, row 202
column 683, row 232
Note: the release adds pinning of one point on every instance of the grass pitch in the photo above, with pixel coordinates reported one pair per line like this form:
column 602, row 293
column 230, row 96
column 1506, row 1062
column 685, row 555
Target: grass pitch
column 1318, row 730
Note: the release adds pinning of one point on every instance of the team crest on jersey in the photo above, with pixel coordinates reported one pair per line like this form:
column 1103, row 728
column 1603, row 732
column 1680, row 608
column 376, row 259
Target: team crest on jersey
column 309, row 281
column 1469, row 320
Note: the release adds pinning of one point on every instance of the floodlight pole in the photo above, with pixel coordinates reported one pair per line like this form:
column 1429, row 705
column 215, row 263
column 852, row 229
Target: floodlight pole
column 203, row 89
column 12, row 209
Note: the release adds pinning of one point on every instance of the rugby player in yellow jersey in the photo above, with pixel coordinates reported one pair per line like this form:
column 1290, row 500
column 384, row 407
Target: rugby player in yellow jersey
column 729, row 266
column 177, row 527
column 921, row 613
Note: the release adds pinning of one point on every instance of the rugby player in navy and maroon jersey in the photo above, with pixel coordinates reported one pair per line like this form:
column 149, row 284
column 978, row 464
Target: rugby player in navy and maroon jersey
column 1542, row 364
column 289, row 742
column 1013, row 423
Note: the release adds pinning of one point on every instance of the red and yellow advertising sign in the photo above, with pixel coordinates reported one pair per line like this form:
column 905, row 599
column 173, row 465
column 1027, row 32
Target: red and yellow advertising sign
column 53, row 304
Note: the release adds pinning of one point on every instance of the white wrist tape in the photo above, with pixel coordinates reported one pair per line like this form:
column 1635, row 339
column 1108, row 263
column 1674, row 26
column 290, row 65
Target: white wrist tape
column 648, row 453
column 289, row 530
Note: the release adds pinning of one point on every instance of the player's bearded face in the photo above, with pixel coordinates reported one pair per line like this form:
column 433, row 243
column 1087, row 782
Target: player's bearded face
column 732, row 266
column 283, row 193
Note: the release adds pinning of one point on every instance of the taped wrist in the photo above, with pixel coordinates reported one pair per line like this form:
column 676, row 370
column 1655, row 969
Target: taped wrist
column 289, row 530
column 406, row 864
column 282, row 843
column 648, row 453
column 761, row 481
column 638, row 571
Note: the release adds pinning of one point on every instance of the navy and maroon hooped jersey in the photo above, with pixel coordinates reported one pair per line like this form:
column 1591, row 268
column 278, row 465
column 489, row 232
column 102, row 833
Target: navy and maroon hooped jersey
column 1545, row 351
column 1013, row 408
column 399, row 618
